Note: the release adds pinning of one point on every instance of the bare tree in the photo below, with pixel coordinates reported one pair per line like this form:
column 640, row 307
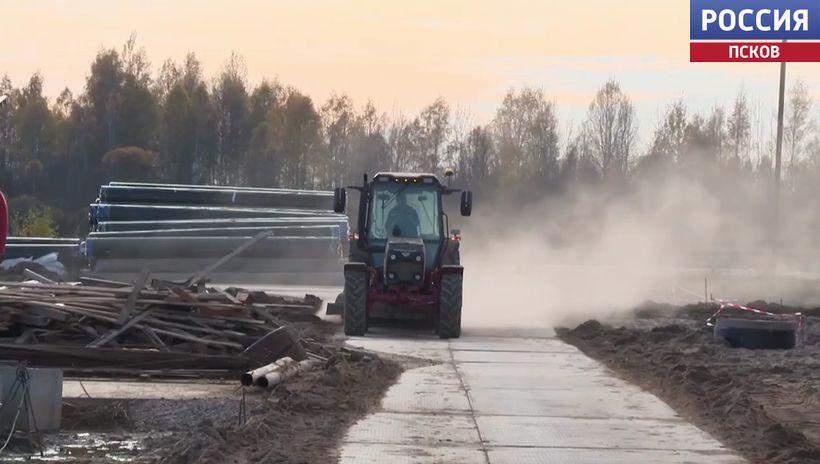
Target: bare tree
column 797, row 121
column 612, row 129
column 340, row 125
column 670, row 136
column 434, row 121
column 475, row 158
column 526, row 131
column 739, row 127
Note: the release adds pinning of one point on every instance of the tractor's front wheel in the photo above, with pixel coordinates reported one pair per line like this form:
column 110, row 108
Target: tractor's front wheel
column 449, row 317
column 355, row 303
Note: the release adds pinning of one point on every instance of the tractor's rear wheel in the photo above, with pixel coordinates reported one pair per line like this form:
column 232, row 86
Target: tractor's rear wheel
column 355, row 301
column 449, row 317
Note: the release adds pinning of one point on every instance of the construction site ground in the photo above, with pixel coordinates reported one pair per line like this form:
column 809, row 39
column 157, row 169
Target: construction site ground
column 522, row 398
column 152, row 420
column 762, row 403
column 585, row 395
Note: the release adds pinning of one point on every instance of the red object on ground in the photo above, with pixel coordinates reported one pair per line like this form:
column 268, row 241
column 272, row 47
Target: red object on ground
column 4, row 223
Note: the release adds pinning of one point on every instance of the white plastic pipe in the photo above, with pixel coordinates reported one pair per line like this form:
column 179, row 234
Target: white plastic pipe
column 251, row 377
column 278, row 376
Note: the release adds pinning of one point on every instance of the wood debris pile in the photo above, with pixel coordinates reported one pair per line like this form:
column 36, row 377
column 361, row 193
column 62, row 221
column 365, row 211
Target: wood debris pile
column 154, row 328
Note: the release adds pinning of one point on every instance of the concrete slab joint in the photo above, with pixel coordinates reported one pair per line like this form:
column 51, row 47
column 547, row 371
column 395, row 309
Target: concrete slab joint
column 519, row 401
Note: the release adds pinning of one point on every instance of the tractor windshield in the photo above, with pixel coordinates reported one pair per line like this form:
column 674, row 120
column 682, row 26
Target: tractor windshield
column 404, row 210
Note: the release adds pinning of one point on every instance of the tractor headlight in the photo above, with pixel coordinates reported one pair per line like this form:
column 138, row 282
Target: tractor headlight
column 392, row 257
column 391, row 276
column 418, row 258
column 417, row 277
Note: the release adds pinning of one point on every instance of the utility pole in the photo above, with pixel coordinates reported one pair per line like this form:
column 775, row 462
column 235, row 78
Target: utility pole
column 775, row 226
column 777, row 164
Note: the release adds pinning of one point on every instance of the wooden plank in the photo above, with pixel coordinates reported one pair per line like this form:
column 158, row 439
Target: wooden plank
column 197, row 328
column 38, row 277
column 276, row 344
column 77, row 356
column 149, row 332
column 201, row 275
column 114, row 333
column 103, row 282
column 79, row 289
column 202, row 341
column 184, row 295
column 45, row 312
column 132, row 298
column 25, row 336
column 228, row 296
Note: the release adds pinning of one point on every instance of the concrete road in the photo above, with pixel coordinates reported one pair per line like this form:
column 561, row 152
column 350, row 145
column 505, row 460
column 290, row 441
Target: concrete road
column 518, row 400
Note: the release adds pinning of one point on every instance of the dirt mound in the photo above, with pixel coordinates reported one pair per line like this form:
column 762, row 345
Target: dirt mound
column 299, row 422
column 762, row 403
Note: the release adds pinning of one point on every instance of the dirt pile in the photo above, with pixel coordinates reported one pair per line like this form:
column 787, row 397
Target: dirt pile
column 762, row 403
column 298, row 422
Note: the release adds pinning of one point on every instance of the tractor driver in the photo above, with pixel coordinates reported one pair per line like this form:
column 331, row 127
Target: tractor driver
column 403, row 221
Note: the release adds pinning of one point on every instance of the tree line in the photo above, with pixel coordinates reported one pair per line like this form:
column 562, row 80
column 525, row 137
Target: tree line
column 179, row 126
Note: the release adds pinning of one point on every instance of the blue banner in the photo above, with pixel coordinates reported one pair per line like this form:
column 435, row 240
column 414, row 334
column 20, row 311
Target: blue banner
column 754, row 20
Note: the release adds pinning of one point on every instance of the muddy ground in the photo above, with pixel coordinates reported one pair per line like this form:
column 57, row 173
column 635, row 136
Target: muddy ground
column 300, row 421
column 763, row 403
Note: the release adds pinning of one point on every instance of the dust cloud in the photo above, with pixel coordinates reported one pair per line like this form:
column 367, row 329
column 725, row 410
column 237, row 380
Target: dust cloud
column 595, row 253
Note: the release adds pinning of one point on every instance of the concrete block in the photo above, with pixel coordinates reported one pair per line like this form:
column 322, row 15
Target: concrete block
column 46, row 390
column 758, row 334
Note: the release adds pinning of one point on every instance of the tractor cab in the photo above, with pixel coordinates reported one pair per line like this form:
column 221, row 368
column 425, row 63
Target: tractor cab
column 402, row 249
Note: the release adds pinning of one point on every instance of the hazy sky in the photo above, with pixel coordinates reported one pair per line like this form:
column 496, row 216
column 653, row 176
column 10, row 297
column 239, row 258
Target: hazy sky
column 404, row 54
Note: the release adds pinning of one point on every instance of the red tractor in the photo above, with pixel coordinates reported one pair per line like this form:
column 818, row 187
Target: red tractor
column 402, row 260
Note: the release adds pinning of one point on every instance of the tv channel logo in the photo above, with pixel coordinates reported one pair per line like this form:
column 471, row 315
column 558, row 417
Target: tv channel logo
column 754, row 30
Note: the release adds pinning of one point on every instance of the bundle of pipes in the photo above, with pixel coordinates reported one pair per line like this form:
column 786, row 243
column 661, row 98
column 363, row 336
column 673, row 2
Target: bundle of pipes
column 207, row 187
column 176, row 228
column 212, row 247
column 36, row 250
column 278, row 231
column 256, row 270
column 229, row 196
column 235, row 223
column 43, row 240
column 102, row 212
column 68, row 250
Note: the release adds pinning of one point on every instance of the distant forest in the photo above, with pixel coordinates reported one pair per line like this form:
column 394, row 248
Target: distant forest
column 178, row 125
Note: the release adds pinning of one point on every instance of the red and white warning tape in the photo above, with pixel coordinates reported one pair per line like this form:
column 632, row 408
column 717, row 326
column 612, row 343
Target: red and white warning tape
column 801, row 318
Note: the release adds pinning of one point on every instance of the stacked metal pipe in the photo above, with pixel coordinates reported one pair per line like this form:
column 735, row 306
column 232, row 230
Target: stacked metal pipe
column 68, row 252
column 175, row 228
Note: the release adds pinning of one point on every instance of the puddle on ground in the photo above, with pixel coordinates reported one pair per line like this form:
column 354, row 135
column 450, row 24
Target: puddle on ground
column 81, row 448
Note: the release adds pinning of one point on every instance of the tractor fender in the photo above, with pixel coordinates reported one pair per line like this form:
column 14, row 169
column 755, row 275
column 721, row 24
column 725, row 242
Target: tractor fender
column 452, row 270
column 450, row 253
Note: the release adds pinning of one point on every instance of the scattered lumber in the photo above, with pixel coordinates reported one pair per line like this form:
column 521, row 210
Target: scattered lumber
column 107, row 326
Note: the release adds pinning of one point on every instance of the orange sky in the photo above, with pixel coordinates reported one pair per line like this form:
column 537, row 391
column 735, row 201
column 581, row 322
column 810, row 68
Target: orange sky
column 400, row 54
